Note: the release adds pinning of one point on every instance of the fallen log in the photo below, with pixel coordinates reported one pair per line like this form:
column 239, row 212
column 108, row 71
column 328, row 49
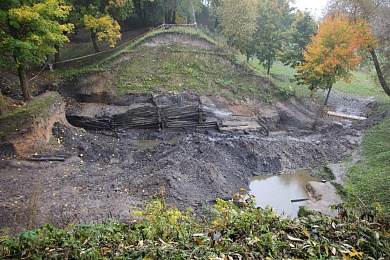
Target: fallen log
column 298, row 200
column 343, row 115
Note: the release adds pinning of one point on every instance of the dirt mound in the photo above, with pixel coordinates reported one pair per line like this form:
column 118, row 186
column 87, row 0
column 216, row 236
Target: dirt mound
column 31, row 128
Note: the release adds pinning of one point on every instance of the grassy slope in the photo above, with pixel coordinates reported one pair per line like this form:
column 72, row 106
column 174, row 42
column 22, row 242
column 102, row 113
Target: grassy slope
column 178, row 68
column 369, row 179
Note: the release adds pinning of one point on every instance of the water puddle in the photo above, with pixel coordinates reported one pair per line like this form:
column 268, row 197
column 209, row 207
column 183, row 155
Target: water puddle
column 145, row 144
column 278, row 191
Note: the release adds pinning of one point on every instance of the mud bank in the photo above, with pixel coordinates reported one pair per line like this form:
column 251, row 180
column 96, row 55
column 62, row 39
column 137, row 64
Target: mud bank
column 108, row 172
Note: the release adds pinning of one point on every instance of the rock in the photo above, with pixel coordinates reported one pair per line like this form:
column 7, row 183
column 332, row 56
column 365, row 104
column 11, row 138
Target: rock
column 322, row 196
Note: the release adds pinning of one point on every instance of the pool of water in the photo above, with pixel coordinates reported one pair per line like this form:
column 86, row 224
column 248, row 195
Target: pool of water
column 278, row 191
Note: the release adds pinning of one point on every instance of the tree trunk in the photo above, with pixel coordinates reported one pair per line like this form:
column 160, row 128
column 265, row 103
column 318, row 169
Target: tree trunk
column 268, row 67
column 23, row 84
column 173, row 17
column 95, row 41
column 3, row 106
column 168, row 17
column 57, row 57
column 379, row 73
column 216, row 23
column 138, row 11
column 17, row 55
column 327, row 96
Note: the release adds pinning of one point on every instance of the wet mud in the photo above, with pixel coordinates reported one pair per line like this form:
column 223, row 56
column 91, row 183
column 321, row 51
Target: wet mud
column 106, row 173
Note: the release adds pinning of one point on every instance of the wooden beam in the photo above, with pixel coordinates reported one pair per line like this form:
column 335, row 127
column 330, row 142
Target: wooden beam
column 343, row 115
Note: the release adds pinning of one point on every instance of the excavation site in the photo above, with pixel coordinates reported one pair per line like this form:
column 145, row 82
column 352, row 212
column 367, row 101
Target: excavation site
column 101, row 152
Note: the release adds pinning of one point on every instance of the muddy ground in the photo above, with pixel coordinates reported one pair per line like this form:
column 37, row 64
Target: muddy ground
column 107, row 173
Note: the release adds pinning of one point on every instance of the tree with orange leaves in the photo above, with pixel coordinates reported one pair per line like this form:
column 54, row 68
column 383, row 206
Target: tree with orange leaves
column 337, row 49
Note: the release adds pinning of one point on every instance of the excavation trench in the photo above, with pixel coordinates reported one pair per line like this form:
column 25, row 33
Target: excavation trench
column 188, row 148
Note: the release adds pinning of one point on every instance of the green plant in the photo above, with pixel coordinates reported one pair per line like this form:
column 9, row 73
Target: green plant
column 236, row 229
column 368, row 179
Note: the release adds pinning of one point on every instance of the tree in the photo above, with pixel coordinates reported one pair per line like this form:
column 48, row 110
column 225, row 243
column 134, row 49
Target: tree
column 148, row 11
column 102, row 28
column 377, row 13
column 237, row 20
column 29, row 32
column 297, row 38
column 273, row 20
column 334, row 52
column 101, row 18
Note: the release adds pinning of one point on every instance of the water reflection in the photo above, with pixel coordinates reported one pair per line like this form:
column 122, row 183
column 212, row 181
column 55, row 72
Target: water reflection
column 278, row 191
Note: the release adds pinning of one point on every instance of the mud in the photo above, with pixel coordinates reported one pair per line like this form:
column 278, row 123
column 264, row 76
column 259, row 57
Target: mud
column 107, row 173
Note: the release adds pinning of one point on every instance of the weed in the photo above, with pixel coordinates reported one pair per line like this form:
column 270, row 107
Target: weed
column 236, row 230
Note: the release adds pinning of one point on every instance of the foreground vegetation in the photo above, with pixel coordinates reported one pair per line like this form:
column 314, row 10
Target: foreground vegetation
column 231, row 232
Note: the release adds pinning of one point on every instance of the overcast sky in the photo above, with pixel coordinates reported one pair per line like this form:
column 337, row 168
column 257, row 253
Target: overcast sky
column 315, row 6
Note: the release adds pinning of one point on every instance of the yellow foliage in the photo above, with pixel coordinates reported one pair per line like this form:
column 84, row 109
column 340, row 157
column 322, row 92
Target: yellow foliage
column 238, row 19
column 106, row 28
column 335, row 51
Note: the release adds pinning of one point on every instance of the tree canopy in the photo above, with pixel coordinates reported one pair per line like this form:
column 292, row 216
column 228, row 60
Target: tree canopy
column 334, row 52
column 272, row 21
column 377, row 14
column 29, row 31
column 237, row 20
column 297, row 38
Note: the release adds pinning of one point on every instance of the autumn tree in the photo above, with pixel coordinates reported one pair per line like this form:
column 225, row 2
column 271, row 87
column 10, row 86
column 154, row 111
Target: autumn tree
column 377, row 14
column 237, row 22
column 297, row 37
column 101, row 18
column 334, row 52
column 103, row 28
column 272, row 20
column 29, row 31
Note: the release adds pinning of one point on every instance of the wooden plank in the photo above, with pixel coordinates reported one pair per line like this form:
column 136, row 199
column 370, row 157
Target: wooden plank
column 343, row 115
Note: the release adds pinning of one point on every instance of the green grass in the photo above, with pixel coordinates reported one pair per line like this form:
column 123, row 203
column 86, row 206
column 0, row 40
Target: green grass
column 369, row 179
column 282, row 76
column 362, row 83
column 178, row 70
